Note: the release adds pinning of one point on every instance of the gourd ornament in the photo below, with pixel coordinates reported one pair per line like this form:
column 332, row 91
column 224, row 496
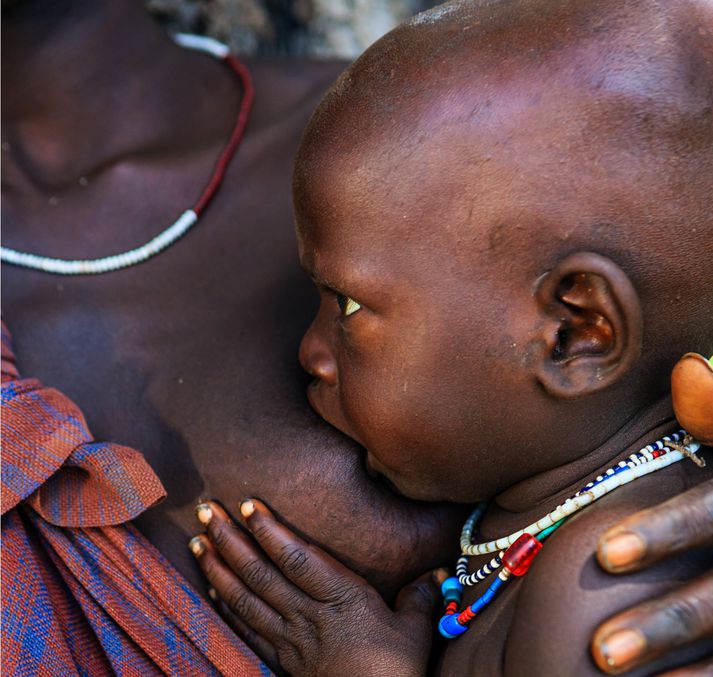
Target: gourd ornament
column 692, row 393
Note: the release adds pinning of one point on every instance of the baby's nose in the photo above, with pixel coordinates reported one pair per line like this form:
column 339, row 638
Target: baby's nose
column 316, row 356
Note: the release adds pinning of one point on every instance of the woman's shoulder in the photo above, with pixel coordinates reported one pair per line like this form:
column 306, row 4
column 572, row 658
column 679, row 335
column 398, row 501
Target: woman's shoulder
column 288, row 90
column 566, row 595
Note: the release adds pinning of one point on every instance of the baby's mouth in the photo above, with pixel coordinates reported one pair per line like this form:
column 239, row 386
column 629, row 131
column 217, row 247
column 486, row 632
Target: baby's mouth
column 315, row 397
column 311, row 388
column 371, row 467
column 331, row 414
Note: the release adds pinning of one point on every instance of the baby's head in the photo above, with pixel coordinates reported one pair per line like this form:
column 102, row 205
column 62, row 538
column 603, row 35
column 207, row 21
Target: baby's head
column 507, row 209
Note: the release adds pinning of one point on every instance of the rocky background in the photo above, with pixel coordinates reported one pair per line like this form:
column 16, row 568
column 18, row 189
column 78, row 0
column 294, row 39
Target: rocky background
column 317, row 28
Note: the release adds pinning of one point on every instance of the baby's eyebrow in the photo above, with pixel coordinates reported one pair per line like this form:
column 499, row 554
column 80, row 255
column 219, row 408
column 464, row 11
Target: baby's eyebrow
column 344, row 277
column 315, row 276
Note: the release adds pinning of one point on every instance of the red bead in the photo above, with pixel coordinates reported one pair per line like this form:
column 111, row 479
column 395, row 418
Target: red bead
column 452, row 607
column 466, row 616
column 518, row 557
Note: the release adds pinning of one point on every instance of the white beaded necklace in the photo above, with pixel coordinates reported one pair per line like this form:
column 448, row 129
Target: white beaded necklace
column 184, row 222
column 637, row 465
column 519, row 549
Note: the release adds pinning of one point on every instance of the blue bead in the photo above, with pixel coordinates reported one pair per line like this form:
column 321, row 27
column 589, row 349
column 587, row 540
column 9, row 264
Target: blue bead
column 450, row 628
column 451, row 583
column 452, row 596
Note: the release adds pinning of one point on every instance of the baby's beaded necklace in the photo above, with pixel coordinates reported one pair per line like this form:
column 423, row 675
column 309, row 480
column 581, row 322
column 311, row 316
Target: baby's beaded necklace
column 518, row 550
column 186, row 220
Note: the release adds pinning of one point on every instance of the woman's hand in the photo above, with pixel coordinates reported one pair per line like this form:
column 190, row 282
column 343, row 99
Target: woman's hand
column 643, row 633
column 293, row 602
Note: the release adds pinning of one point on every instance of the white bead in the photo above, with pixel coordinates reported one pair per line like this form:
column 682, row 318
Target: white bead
column 142, row 253
column 108, row 263
column 202, row 43
column 579, row 500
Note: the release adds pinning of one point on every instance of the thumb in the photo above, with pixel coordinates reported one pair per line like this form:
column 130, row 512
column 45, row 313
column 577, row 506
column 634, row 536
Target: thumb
column 418, row 598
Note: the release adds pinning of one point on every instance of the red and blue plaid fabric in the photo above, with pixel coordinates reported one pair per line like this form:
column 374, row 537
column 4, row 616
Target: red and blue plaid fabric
column 83, row 592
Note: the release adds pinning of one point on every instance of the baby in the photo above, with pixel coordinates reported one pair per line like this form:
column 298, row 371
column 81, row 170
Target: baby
column 506, row 208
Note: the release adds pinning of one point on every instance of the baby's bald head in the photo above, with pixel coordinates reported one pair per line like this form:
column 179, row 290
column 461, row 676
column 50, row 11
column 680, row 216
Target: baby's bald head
column 448, row 65
column 566, row 125
column 506, row 206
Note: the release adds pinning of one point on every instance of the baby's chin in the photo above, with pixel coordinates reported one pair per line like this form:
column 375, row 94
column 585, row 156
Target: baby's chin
column 404, row 487
column 417, row 491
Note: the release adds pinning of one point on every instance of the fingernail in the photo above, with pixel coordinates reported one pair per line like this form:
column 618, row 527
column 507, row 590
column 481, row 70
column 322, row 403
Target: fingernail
column 247, row 508
column 212, row 594
column 204, row 513
column 196, row 546
column 622, row 648
column 439, row 575
column 622, row 550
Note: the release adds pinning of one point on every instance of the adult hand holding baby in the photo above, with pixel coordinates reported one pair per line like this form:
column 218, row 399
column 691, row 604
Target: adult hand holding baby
column 642, row 633
column 303, row 610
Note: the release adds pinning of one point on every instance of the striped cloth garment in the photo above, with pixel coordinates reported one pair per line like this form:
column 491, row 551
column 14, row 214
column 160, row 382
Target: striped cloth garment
column 83, row 592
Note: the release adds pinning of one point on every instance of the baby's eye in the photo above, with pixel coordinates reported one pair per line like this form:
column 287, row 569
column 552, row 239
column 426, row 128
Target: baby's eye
column 347, row 305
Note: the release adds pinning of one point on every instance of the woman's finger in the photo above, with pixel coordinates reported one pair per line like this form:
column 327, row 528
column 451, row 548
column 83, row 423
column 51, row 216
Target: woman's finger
column 308, row 567
column 241, row 554
column 240, row 600
column 653, row 628
column 257, row 643
column 681, row 523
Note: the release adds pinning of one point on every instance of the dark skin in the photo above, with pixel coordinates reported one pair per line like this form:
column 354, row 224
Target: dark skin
column 672, row 621
column 408, row 223
column 190, row 357
column 666, row 622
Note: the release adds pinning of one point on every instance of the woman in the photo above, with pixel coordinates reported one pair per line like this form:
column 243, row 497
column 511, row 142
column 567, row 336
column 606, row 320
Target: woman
column 110, row 131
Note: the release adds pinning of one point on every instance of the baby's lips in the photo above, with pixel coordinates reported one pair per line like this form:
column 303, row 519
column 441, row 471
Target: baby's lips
column 692, row 392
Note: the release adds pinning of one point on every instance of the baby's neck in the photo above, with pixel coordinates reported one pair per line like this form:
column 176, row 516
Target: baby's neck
column 539, row 494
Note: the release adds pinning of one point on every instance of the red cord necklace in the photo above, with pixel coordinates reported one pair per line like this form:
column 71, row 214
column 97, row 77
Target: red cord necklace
column 184, row 222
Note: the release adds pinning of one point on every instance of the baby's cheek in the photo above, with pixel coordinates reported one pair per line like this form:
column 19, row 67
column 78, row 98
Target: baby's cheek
column 394, row 388
column 398, row 416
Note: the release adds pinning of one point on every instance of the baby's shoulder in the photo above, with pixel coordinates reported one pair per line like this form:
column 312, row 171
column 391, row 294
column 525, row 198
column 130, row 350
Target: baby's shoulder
column 566, row 595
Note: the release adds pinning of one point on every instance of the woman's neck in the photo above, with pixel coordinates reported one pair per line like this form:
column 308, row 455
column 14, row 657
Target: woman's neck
column 85, row 81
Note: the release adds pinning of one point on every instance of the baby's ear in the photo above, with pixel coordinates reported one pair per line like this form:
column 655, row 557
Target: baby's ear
column 592, row 329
